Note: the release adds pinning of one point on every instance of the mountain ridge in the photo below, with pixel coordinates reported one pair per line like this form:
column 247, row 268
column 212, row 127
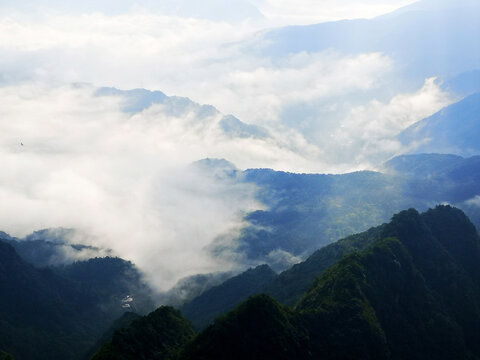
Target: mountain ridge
column 412, row 293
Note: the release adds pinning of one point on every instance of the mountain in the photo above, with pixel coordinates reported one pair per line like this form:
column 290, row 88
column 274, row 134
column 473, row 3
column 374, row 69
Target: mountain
column 137, row 100
column 414, row 293
column 150, row 337
column 42, row 310
column 59, row 313
column 444, row 178
column 453, row 130
column 5, row 356
column 286, row 287
column 464, row 84
column 292, row 283
column 222, row 298
column 304, row 212
column 51, row 247
column 425, row 39
column 124, row 321
column 307, row 211
column 189, row 288
column 260, row 328
column 116, row 283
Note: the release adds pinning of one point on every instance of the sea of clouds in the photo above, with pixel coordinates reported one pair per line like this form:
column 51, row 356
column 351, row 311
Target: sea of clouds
column 74, row 159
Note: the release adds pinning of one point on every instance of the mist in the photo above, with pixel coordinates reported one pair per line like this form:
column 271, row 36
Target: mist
column 73, row 159
column 126, row 181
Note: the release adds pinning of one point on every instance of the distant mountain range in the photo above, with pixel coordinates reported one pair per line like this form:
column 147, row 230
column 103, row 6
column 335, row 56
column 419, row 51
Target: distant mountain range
column 307, row 211
column 52, row 247
column 453, row 130
column 401, row 287
column 137, row 100
column 425, row 39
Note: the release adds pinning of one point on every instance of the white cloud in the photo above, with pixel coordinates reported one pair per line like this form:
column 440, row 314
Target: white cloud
column 261, row 93
column 125, row 179
column 268, row 12
column 369, row 130
column 474, row 201
column 196, row 58
column 86, row 165
column 287, row 12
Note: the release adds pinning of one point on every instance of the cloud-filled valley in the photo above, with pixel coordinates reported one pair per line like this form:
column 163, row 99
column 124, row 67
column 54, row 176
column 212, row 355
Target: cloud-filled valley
column 77, row 155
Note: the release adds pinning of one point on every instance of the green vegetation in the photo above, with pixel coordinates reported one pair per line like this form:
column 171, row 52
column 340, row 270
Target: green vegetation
column 59, row 313
column 308, row 211
column 287, row 287
column 124, row 321
column 5, row 356
column 411, row 292
column 291, row 284
column 407, row 289
column 222, row 298
column 260, row 328
column 150, row 337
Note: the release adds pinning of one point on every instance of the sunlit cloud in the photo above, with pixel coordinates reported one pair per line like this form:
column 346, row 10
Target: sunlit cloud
column 371, row 129
column 125, row 178
column 287, row 12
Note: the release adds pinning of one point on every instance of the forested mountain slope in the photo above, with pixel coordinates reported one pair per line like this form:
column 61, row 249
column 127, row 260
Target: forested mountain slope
column 305, row 212
column 413, row 294
column 59, row 313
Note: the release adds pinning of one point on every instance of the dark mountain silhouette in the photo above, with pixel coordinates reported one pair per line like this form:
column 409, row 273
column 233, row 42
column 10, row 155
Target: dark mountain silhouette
column 413, row 294
column 150, row 337
column 222, row 298
column 59, row 313
column 124, row 321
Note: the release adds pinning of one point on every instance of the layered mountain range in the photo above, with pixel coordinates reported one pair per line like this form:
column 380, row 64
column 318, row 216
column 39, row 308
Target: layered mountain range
column 408, row 289
column 303, row 213
column 401, row 287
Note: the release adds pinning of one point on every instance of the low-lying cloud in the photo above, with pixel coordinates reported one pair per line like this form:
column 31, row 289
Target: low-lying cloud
column 73, row 159
column 369, row 130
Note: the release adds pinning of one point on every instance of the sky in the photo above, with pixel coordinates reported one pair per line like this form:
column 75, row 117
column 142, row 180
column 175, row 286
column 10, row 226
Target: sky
column 125, row 178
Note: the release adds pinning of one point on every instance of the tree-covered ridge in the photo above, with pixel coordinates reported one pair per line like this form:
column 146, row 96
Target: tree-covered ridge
column 116, row 283
column 52, row 247
column 59, row 313
column 259, row 328
column 222, row 298
column 305, row 212
column 151, row 337
column 291, row 284
column 287, row 287
column 124, row 321
column 5, row 356
column 415, row 295
column 412, row 294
